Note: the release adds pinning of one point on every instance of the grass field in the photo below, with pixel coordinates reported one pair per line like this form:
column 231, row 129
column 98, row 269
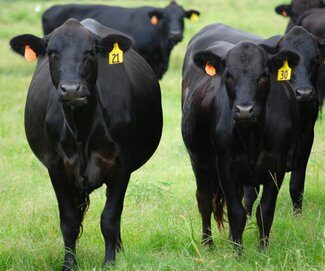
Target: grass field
column 161, row 226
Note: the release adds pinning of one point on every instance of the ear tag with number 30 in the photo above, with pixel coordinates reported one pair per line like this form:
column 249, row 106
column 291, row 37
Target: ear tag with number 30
column 116, row 55
column 284, row 74
column 194, row 18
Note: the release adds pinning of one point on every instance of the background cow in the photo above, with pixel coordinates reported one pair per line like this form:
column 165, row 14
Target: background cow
column 90, row 122
column 155, row 30
column 296, row 9
column 231, row 106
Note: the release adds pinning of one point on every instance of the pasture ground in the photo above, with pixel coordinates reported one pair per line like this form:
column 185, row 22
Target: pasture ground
column 161, row 226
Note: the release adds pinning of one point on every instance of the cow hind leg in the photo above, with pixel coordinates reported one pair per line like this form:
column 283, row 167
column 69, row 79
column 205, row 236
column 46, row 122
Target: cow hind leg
column 111, row 215
column 72, row 205
column 250, row 196
column 204, row 197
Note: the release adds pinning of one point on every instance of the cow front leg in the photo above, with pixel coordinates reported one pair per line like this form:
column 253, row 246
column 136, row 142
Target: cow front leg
column 233, row 192
column 266, row 208
column 111, row 215
column 72, row 205
column 298, row 176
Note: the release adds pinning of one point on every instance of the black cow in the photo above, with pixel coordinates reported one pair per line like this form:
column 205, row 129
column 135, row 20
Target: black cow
column 238, row 125
column 90, row 122
column 296, row 9
column 305, row 85
column 155, row 30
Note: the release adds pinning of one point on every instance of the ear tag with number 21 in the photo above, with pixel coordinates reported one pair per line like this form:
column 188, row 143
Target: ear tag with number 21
column 116, row 55
column 284, row 74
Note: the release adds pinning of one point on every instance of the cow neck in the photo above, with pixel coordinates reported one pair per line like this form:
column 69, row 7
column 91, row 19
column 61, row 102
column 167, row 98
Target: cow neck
column 251, row 138
column 80, row 121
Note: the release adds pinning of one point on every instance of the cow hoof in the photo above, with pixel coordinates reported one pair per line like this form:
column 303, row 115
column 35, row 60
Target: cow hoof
column 69, row 267
column 208, row 242
column 297, row 211
column 108, row 264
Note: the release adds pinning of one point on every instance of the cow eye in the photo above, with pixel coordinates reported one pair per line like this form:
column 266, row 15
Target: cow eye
column 51, row 53
column 229, row 79
column 263, row 79
column 90, row 53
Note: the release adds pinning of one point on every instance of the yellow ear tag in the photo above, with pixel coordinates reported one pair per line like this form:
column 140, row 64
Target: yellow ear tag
column 116, row 55
column 29, row 54
column 194, row 18
column 154, row 20
column 284, row 74
column 210, row 70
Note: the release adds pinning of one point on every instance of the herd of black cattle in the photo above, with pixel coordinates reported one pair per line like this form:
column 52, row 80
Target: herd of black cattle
column 93, row 112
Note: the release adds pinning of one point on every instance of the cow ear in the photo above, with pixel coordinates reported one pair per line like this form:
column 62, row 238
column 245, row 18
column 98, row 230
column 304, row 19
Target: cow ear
column 28, row 46
column 106, row 44
column 278, row 59
column 270, row 45
column 209, row 62
column 284, row 10
column 155, row 16
column 192, row 14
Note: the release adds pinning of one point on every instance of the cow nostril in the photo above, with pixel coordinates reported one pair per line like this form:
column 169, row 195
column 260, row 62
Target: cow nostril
column 244, row 109
column 175, row 34
column 69, row 88
column 304, row 92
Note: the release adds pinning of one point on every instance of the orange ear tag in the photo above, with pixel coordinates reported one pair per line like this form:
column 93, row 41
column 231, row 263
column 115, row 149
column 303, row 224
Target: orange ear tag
column 284, row 14
column 29, row 54
column 154, row 20
column 210, row 70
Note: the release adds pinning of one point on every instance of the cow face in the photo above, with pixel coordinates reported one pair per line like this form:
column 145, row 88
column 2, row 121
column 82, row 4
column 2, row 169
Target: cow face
column 171, row 19
column 307, row 47
column 246, row 72
column 72, row 54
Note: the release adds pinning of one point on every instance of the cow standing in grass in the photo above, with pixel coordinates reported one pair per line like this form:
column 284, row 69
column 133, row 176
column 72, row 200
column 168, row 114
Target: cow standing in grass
column 155, row 30
column 304, row 83
column 238, row 125
column 93, row 116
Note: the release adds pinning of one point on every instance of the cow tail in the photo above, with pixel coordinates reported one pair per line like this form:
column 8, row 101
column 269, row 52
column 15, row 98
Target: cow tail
column 83, row 210
column 218, row 204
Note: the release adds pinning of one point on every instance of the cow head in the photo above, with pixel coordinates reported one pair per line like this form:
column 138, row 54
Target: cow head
column 307, row 46
column 296, row 9
column 72, row 54
column 246, row 71
column 171, row 19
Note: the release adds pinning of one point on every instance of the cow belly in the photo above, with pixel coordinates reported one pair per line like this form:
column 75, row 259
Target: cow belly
column 254, row 172
column 93, row 174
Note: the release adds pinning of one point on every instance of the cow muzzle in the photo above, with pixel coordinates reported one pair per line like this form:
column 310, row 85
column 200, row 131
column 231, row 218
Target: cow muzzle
column 175, row 36
column 73, row 94
column 305, row 94
column 245, row 113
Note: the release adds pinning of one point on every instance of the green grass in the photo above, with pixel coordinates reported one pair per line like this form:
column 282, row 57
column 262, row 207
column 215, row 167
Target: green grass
column 161, row 226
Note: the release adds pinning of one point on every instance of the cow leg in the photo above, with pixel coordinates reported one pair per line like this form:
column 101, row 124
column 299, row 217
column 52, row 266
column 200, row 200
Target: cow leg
column 204, row 196
column 265, row 210
column 298, row 175
column 71, row 207
column 250, row 195
column 111, row 215
column 233, row 192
